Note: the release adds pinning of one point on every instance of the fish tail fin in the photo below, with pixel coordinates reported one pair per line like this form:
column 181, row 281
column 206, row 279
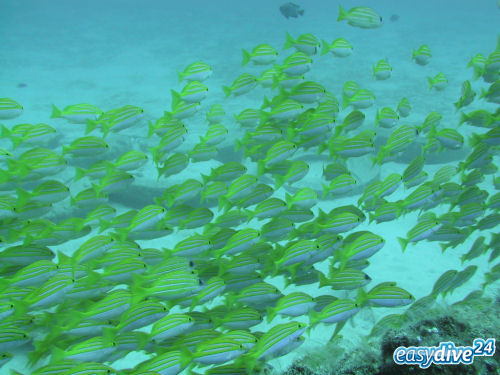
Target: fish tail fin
column 314, row 318
column 474, row 140
column 463, row 118
column 271, row 314
column 91, row 125
column 246, row 57
column 261, row 167
column 267, row 103
column 325, row 47
column 403, row 242
column 289, row 42
column 23, row 197
column 381, row 156
column 155, row 153
column 56, row 112
column 378, row 116
column 205, row 178
column 431, row 82
column 65, row 150
column 106, row 128
column 57, row 355
column 432, row 132
column 224, row 203
column 478, row 72
column 323, row 280
column 5, row 133
column 362, row 297
column 279, row 181
column 338, row 130
column 290, row 133
column 346, row 101
column 289, row 200
column 462, row 166
column 151, row 129
column 176, row 98
column 338, row 327
column 249, row 214
column 444, row 246
column 16, row 141
column 276, row 78
column 342, row 14
column 227, row 91
column 239, row 144
column 371, row 217
column 79, row 173
column 322, row 147
column 326, row 190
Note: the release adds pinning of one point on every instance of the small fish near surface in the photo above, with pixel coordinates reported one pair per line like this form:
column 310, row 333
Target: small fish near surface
column 291, row 10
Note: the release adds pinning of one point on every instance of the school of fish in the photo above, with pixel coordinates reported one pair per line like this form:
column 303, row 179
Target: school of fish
column 196, row 304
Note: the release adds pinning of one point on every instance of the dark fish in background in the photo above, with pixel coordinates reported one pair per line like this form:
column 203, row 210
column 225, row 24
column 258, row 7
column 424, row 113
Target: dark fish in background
column 394, row 17
column 291, row 10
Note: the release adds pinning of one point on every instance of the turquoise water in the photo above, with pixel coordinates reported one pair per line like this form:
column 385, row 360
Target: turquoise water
column 116, row 53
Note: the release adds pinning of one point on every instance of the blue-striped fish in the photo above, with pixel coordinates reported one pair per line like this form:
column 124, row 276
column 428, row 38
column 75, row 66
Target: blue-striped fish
column 363, row 17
